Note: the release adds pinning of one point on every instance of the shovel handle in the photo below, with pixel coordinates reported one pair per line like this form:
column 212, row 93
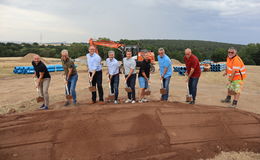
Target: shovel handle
column 35, row 83
column 161, row 83
column 67, row 90
column 66, row 85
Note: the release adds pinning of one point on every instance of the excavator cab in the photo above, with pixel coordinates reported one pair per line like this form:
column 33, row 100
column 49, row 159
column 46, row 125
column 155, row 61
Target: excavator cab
column 133, row 48
column 136, row 51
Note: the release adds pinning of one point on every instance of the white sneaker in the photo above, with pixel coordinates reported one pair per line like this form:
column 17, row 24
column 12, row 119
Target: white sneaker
column 133, row 101
column 145, row 100
column 115, row 102
column 141, row 101
column 128, row 101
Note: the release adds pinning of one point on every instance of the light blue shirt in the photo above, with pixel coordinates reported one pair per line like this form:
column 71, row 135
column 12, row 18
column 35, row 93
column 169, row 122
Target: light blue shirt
column 129, row 64
column 113, row 66
column 165, row 62
column 94, row 62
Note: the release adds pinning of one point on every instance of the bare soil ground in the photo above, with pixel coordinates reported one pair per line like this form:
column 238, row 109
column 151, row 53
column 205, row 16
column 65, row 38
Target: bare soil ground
column 18, row 92
column 153, row 130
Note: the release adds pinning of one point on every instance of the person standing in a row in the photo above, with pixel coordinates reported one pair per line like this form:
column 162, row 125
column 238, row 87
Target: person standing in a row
column 71, row 75
column 95, row 74
column 113, row 73
column 193, row 72
column 144, row 77
column 236, row 72
column 165, row 65
column 43, row 81
column 130, row 75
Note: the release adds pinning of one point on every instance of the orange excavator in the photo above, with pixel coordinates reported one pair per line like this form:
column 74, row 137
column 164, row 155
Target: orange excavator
column 137, row 53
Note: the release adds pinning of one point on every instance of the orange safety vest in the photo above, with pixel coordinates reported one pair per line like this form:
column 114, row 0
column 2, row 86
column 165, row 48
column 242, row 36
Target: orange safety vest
column 236, row 64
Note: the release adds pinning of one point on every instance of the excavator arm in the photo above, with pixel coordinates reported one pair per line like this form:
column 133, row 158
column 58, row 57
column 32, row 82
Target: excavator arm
column 105, row 43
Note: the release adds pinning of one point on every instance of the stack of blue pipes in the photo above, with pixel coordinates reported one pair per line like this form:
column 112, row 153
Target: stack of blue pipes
column 182, row 69
column 217, row 67
column 30, row 70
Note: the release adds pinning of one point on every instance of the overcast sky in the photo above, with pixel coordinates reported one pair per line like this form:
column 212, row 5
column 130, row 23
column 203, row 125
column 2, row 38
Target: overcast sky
column 234, row 21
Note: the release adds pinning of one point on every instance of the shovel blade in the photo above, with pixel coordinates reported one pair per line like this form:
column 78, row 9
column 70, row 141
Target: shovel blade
column 69, row 97
column 39, row 99
column 147, row 92
column 111, row 96
column 128, row 90
column 92, row 89
column 188, row 98
column 163, row 91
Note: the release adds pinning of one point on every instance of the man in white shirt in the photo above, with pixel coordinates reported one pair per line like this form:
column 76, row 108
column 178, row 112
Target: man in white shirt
column 130, row 75
column 95, row 73
column 113, row 72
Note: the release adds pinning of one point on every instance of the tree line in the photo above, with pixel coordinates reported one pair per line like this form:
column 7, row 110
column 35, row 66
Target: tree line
column 215, row 51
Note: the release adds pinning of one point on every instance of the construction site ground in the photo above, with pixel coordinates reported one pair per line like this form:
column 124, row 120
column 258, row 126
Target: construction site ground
column 154, row 130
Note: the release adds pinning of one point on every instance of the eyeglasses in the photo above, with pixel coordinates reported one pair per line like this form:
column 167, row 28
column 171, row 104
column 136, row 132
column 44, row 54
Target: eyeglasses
column 231, row 52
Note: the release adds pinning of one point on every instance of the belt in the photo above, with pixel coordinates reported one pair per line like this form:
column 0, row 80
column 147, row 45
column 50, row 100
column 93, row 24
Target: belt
column 115, row 74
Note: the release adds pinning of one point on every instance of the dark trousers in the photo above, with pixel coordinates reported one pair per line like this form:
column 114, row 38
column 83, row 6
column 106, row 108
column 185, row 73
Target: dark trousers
column 193, row 82
column 97, row 81
column 114, row 83
column 131, row 83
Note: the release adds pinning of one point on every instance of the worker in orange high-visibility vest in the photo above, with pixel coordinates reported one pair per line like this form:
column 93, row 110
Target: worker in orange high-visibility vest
column 236, row 73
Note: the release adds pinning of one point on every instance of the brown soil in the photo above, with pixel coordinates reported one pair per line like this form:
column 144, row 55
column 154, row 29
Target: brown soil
column 155, row 130
column 29, row 57
column 82, row 58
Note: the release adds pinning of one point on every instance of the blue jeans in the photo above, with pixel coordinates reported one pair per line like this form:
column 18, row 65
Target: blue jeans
column 193, row 82
column 72, row 82
column 114, row 85
column 166, row 82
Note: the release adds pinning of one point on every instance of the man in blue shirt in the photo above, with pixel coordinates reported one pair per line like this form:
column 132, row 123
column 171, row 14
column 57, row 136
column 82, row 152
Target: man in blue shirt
column 95, row 73
column 165, row 66
column 113, row 72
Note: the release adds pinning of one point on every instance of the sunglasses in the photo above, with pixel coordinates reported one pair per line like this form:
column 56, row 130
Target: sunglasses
column 231, row 52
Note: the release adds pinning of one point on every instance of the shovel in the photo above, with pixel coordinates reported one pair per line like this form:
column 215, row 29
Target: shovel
column 163, row 90
column 147, row 91
column 91, row 88
column 38, row 99
column 127, row 89
column 188, row 96
column 111, row 96
column 68, row 96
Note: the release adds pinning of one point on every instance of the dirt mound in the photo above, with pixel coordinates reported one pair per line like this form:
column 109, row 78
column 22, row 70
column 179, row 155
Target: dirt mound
column 29, row 57
column 140, row 131
column 82, row 58
column 176, row 62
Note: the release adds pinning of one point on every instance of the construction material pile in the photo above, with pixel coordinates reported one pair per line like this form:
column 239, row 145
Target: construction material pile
column 216, row 67
column 30, row 70
column 182, row 69
column 29, row 57
column 205, row 66
column 207, row 61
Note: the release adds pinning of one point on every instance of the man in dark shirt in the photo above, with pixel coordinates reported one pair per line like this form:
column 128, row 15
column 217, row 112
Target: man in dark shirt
column 193, row 72
column 71, row 75
column 43, row 81
column 143, row 77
